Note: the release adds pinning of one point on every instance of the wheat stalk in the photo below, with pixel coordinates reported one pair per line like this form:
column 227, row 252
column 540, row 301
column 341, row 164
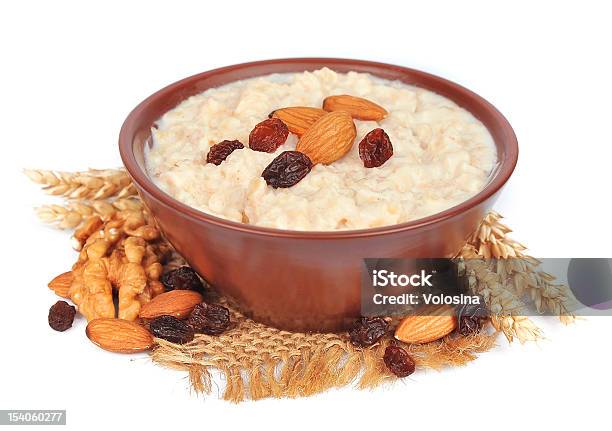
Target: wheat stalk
column 520, row 327
column 499, row 269
column 73, row 214
column 521, row 274
column 505, row 306
column 92, row 184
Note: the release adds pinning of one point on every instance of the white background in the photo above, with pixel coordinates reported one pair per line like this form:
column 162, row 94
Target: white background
column 70, row 73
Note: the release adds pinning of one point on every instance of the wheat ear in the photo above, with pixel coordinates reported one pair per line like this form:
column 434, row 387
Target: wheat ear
column 73, row 214
column 522, row 274
column 505, row 306
column 92, row 184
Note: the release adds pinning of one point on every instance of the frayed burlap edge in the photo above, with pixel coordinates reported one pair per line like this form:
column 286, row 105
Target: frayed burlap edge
column 260, row 362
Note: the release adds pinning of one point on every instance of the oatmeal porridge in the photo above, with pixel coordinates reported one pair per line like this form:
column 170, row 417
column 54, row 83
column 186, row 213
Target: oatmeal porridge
column 441, row 155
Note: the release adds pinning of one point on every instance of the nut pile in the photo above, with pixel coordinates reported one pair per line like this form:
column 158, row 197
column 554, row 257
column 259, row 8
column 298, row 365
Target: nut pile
column 429, row 323
column 175, row 315
column 120, row 256
column 325, row 135
column 119, row 285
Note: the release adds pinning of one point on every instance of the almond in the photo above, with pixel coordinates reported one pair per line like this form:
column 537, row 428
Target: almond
column 431, row 323
column 61, row 284
column 330, row 138
column 177, row 303
column 118, row 335
column 359, row 108
column 298, row 118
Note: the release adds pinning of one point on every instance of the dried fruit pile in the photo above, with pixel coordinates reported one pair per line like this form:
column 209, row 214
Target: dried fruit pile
column 427, row 324
column 120, row 286
column 326, row 135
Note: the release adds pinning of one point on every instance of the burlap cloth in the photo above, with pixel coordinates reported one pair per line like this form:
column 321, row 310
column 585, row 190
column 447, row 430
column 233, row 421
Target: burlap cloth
column 259, row 361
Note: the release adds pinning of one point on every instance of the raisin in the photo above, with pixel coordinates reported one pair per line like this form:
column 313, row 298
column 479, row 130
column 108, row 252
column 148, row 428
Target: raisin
column 471, row 317
column 61, row 316
column 375, row 148
column 210, row 319
column 287, row 169
column 268, row 135
column 171, row 329
column 367, row 331
column 398, row 361
column 183, row 278
column 219, row 152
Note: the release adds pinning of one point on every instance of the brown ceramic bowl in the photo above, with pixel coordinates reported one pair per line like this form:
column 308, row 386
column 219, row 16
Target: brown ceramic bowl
column 304, row 280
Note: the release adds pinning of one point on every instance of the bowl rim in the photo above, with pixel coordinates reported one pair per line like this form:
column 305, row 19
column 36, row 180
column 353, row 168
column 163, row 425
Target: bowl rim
column 499, row 178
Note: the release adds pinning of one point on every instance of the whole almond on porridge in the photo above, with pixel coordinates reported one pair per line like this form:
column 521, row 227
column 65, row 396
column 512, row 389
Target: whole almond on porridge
column 431, row 323
column 329, row 139
column 298, row 118
column 61, row 284
column 359, row 108
column 177, row 303
column 118, row 335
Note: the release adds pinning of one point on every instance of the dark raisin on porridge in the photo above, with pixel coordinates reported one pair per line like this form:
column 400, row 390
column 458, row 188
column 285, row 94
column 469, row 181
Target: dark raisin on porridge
column 375, row 148
column 219, row 152
column 288, row 169
column 268, row 135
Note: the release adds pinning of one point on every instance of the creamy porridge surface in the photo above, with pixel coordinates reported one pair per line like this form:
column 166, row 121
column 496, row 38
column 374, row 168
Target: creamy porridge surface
column 442, row 155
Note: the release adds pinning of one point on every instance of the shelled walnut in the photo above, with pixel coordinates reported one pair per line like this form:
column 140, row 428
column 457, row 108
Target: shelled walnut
column 122, row 255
